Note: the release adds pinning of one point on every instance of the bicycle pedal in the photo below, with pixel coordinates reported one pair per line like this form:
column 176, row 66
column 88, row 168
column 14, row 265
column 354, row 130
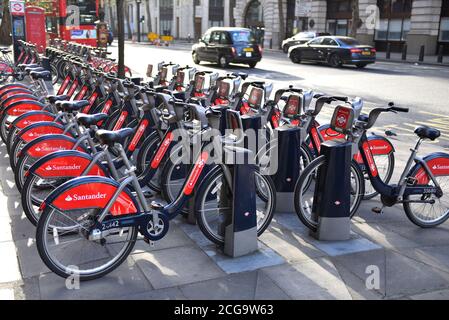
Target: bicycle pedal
column 377, row 210
column 148, row 241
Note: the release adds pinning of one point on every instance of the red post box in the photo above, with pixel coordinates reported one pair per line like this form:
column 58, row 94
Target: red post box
column 35, row 27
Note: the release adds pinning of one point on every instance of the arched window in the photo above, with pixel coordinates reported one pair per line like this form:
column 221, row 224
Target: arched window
column 254, row 14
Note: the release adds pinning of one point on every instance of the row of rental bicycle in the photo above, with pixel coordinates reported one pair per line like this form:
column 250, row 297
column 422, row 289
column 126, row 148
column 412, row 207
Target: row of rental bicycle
column 91, row 157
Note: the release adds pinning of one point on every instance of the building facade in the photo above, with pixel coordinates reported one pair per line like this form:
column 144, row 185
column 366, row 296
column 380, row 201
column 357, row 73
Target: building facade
column 393, row 23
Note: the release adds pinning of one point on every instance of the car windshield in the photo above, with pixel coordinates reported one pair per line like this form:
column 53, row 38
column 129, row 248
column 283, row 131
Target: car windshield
column 349, row 41
column 306, row 35
column 242, row 36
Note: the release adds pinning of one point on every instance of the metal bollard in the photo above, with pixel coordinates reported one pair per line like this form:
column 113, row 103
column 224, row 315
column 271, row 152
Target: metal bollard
column 404, row 52
column 387, row 55
column 440, row 54
column 421, row 54
column 331, row 202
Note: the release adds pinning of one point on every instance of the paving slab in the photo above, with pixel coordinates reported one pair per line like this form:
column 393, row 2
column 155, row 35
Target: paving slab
column 174, row 238
column 434, row 295
column 5, row 229
column 29, row 260
column 240, row 286
column 194, row 233
column 263, row 257
column 289, row 244
column 267, row 289
column 9, row 268
column 160, row 294
column 422, row 236
column 7, row 181
column 312, row 279
column 436, row 256
column 177, row 266
column 127, row 279
column 355, row 244
column 382, row 236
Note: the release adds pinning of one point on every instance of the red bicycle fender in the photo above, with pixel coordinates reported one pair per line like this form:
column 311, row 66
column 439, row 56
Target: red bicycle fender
column 47, row 146
column 438, row 164
column 28, row 120
column 68, row 166
column 94, row 195
column 380, row 145
column 22, row 108
column 39, row 131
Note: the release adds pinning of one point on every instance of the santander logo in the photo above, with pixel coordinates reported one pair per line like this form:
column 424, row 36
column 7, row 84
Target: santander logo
column 440, row 167
column 77, row 197
column 50, row 148
column 379, row 147
column 62, row 167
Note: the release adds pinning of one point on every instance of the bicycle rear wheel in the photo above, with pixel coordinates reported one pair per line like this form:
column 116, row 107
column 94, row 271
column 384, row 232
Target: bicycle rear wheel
column 64, row 247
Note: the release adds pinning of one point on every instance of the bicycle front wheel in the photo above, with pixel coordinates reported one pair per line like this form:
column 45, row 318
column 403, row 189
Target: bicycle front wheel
column 305, row 189
column 210, row 212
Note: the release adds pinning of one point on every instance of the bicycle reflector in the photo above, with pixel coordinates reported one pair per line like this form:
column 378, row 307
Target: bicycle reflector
column 342, row 119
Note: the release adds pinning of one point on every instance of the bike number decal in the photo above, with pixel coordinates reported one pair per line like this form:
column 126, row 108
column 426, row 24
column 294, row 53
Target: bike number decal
column 138, row 135
column 196, row 172
column 94, row 195
column 438, row 167
column 120, row 120
column 68, row 166
column 162, row 150
column 369, row 157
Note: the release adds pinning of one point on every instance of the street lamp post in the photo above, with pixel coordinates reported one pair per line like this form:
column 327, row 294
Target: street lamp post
column 138, row 2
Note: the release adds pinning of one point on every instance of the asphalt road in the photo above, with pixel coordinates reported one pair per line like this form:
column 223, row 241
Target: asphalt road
column 424, row 89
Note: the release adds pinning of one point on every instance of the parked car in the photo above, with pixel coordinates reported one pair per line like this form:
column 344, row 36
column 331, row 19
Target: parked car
column 300, row 38
column 335, row 51
column 227, row 45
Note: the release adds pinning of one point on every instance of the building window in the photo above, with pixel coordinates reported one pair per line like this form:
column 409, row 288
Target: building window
column 339, row 15
column 394, row 23
column 338, row 27
column 444, row 30
column 216, row 13
column 166, row 17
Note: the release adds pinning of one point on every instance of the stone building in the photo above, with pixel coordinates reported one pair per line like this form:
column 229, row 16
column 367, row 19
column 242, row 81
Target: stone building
column 382, row 22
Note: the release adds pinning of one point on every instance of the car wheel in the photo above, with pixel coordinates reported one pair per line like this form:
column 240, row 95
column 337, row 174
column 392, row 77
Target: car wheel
column 295, row 56
column 335, row 61
column 285, row 48
column 195, row 57
column 223, row 62
column 360, row 65
column 252, row 64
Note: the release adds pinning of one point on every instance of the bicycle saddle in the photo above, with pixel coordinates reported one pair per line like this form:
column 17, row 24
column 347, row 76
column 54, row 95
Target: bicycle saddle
column 40, row 74
column 427, row 133
column 70, row 106
column 5, row 50
column 52, row 99
column 28, row 65
column 90, row 119
column 111, row 137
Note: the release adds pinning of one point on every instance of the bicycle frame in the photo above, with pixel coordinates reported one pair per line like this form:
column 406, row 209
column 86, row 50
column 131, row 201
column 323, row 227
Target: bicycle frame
column 393, row 194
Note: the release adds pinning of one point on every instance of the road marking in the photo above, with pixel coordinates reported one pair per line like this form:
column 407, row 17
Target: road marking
column 434, row 114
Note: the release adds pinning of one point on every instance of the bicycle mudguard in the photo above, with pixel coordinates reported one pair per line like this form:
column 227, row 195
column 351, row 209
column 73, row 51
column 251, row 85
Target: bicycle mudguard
column 17, row 98
column 10, row 86
column 438, row 163
column 65, row 164
column 32, row 117
column 378, row 145
column 40, row 129
column 44, row 145
column 13, row 92
column 18, row 108
column 329, row 134
column 91, row 192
